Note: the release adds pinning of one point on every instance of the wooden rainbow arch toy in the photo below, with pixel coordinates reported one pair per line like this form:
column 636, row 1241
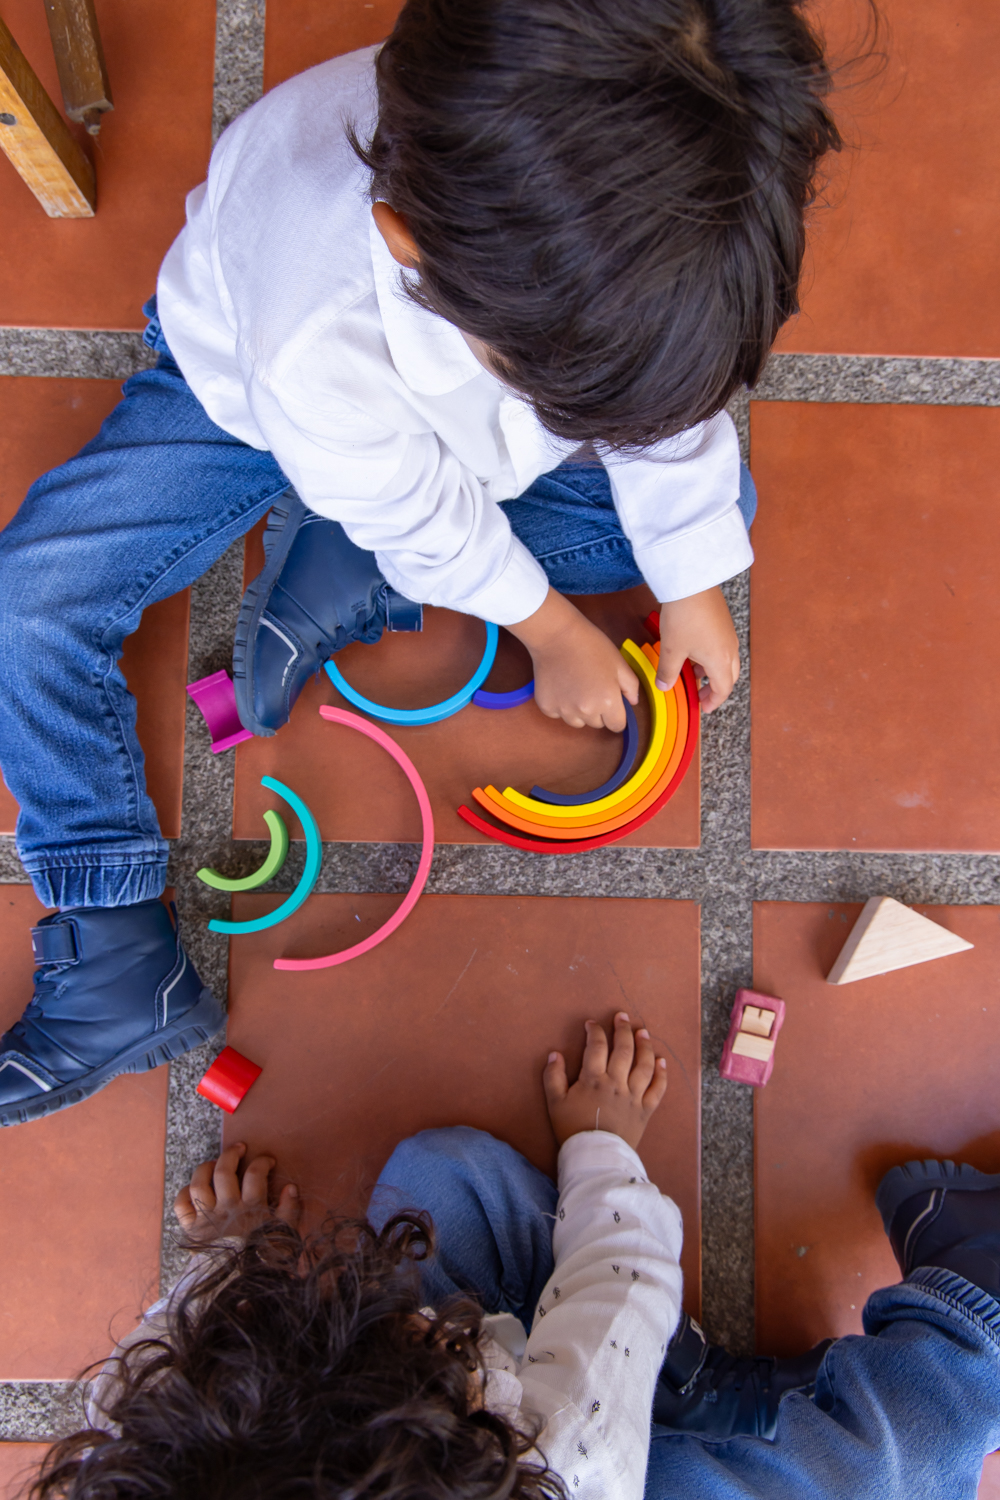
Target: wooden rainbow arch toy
column 587, row 824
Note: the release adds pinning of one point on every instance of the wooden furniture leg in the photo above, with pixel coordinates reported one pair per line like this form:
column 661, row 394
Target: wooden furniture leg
column 34, row 135
column 83, row 76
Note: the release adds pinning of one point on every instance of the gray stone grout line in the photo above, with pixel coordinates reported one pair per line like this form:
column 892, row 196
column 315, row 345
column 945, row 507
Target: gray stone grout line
column 867, row 378
column 239, row 60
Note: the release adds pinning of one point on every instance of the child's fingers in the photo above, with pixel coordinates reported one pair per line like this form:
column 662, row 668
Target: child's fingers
column 554, row 1080
column 628, row 682
column 184, row 1210
column 613, row 716
column 622, row 1051
column 671, row 660
column 224, row 1179
column 722, row 675
column 289, row 1209
column 642, row 1069
column 201, row 1189
column 595, row 1053
column 255, row 1180
column 653, row 1097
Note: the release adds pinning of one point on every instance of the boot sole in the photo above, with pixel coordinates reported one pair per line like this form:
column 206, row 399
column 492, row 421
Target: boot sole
column 198, row 1025
column 254, row 603
column 918, row 1176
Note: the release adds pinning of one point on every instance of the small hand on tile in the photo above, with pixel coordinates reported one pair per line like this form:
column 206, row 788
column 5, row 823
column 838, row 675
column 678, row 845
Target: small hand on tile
column 701, row 628
column 618, row 1093
column 218, row 1203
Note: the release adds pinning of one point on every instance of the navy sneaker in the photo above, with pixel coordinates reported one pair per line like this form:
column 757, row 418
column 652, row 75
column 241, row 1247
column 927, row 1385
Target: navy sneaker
column 702, row 1388
column 939, row 1214
column 114, row 993
column 315, row 594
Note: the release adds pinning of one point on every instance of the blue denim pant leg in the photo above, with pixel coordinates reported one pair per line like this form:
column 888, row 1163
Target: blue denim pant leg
column 907, row 1412
column 492, row 1210
column 143, row 510
column 567, row 519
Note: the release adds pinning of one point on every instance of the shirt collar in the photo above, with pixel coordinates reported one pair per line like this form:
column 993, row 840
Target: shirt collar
column 430, row 353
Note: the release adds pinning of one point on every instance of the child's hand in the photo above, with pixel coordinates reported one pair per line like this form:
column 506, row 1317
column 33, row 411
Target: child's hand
column 218, row 1205
column 579, row 675
column 701, row 628
column 618, row 1093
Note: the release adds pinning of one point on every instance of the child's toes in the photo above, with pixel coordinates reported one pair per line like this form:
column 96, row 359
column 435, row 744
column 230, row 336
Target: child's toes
column 289, row 1209
column 255, row 1179
column 184, row 1210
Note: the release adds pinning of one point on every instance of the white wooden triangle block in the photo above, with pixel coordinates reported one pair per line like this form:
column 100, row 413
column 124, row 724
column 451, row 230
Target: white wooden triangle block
column 888, row 935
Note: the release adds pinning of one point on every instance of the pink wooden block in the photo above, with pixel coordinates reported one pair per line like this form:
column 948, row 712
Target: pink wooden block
column 216, row 698
column 748, row 1069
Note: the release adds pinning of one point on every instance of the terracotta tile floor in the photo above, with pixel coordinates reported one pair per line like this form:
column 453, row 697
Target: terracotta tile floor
column 874, row 612
column 301, row 33
column 870, row 1074
column 44, row 423
column 449, row 1022
column 903, row 261
column 17, row 1463
column 357, row 796
column 89, row 1183
column 153, row 148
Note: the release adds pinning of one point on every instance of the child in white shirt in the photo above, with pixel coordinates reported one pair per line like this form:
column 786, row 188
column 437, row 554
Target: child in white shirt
column 461, row 316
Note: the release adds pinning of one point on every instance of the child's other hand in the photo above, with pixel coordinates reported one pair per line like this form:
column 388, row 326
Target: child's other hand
column 579, row 675
column 701, row 628
column 217, row 1204
column 617, row 1093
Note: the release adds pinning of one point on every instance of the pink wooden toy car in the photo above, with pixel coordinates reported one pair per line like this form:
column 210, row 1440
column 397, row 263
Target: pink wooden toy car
column 748, row 1056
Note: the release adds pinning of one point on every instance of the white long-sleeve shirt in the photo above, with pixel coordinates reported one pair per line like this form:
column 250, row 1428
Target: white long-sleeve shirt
column 585, row 1376
column 286, row 314
column 589, row 1367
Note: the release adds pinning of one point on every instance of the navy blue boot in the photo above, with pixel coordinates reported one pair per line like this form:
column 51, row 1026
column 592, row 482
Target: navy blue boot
column 704, row 1389
column 315, row 593
column 939, row 1214
column 114, row 993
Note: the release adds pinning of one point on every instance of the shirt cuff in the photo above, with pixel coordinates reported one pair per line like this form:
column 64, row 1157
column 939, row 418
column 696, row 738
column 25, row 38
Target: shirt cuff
column 517, row 591
column 596, row 1151
column 680, row 566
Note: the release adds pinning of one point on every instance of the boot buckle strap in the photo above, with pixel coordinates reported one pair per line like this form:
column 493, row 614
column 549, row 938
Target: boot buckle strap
column 686, row 1355
column 402, row 614
column 55, row 943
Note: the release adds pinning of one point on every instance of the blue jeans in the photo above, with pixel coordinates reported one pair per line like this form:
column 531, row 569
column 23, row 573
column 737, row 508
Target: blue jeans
column 907, row 1412
column 140, row 513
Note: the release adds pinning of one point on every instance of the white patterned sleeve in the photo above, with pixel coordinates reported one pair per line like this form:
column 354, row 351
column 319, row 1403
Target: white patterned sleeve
column 604, row 1319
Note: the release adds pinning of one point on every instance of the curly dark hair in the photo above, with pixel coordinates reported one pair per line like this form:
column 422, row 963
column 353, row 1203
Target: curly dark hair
column 300, row 1367
column 610, row 194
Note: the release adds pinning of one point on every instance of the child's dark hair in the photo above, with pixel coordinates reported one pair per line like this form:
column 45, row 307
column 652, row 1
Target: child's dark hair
column 301, row 1367
column 609, row 193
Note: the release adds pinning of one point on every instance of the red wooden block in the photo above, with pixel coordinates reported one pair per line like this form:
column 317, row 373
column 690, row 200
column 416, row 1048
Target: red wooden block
column 229, row 1078
column 750, row 1069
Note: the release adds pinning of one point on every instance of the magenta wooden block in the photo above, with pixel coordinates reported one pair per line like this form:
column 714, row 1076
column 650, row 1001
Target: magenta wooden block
column 749, row 1069
column 216, row 698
